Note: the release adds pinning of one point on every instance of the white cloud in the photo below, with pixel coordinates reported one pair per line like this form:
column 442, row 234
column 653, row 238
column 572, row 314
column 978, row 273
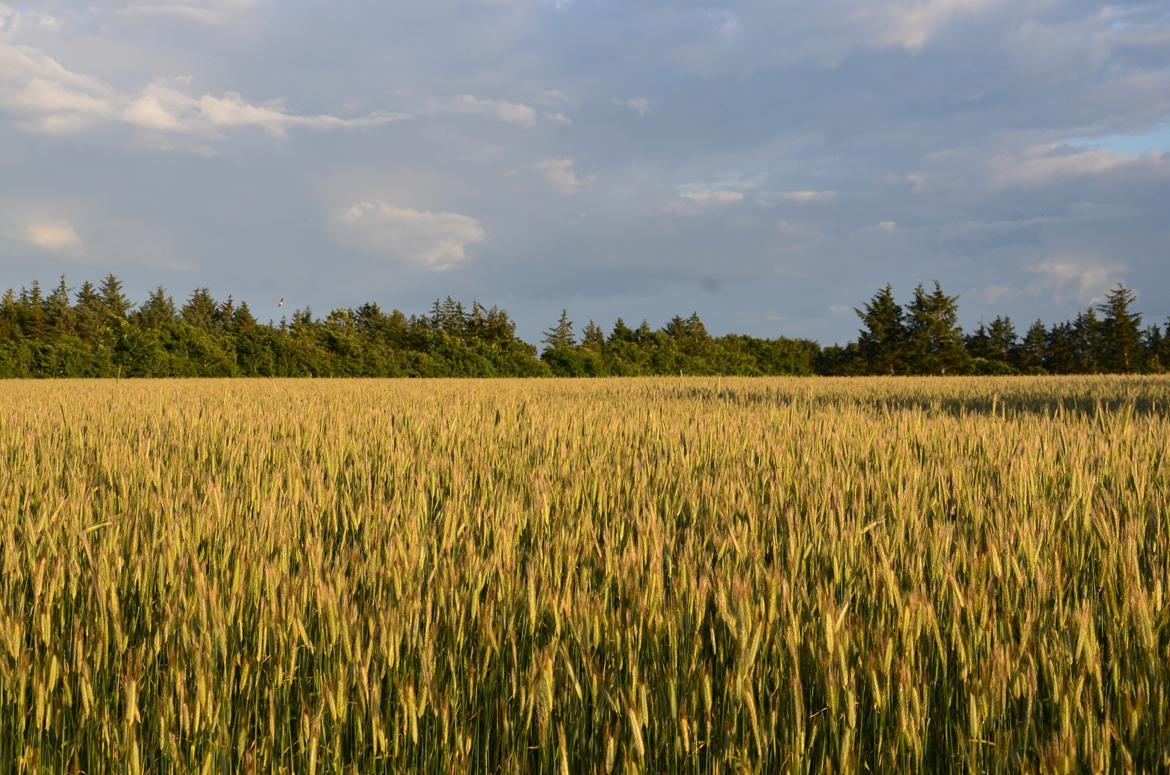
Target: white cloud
column 912, row 24
column 1044, row 164
column 809, row 196
column 22, row 227
column 499, row 110
column 994, row 294
column 1084, row 281
column 562, row 174
column 48, row 98
column 53, row 236
column 1064, row 278
column 45, row 97
column 203, row 11
column 162, row 108
column 13, row 20
column 918, row 181
column 711, row 196
column 89, row 235
column 888, row 225
column 435, row 241
column 640, row 105
column 554, row 98
column 696, row 198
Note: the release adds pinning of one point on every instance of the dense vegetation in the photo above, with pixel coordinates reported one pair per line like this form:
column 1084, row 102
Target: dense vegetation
column 99, row 332
column 716, row 575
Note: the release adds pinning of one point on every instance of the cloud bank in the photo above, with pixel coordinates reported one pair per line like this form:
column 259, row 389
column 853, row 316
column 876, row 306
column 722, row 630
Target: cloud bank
column 760, row 166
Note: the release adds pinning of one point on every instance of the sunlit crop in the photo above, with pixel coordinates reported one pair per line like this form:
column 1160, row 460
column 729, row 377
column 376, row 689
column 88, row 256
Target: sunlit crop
column 662, row 575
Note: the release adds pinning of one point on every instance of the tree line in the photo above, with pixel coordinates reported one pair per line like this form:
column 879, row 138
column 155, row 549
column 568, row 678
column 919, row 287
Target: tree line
column 97, row 331
column 924, row 337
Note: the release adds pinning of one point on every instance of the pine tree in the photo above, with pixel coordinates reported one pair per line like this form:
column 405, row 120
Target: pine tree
column 621, row 332
column 157, row 310
column 88, row 313
column 592, row 337
column 935, row 339
column 113, row 300
column 60, row 314
column 1061, row 354
column 32, row 311
column 882, row 343
column 1121, row 339
column 695, row 327
column 243, row 318
column 643, row 335
column 225, row 313
column 1001, row 336
column 498, row 327
column 9, row 317
column 200, row 309
column 979, row 342
column 1030, row 354
column 561, row 335
column 676, row 328
column 449, row 316
column 302, row 320
column 87, row 297
column 1153, row 346
column 1085, row 336
column 1164, row 350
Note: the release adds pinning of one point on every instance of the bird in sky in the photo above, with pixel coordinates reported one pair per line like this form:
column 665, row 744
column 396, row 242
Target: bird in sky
column 281, row 302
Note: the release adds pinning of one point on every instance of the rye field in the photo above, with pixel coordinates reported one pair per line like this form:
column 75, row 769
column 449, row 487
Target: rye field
column 610, row 576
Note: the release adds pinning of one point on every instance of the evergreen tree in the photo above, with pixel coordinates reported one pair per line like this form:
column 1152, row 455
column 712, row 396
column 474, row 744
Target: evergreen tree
column 621, row 332
column 882, row 342
column 561, row 335
column 1087, row 343
column 1164, row 349
column 158, row 310
column 225, row 313
column 676, row 328
column 979, row 342
column 9, row 318
column 302, row 321
column 449, row 316
column 1061, row 354
column 592, row 337
column 935, row 341
column 88, row 313
column 43, row 336
column 1030, row 355
column 1121, row 339
column 696, row 328
column 200, row 310
column 88, row 298
column 643, row 334
column 499, row 327
column 243, row 319
column 1153, row 349
column 60, row 314
column 1001, row 336
column 560, row 351
column 32, row 311
column 113, row 300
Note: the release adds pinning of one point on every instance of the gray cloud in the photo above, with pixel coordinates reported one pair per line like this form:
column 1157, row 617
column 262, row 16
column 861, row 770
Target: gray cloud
column 435, row 241
column 768, row 164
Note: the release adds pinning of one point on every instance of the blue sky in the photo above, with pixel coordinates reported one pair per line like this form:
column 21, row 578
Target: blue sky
column 764, row 162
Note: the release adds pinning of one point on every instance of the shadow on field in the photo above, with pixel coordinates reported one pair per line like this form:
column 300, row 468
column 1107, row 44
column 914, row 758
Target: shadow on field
column 1138, row 403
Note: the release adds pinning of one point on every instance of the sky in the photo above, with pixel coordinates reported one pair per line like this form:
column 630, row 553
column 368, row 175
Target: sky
column 766, row 163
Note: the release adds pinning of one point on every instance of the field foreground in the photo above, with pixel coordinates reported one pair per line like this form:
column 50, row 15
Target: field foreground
column 673, row 575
